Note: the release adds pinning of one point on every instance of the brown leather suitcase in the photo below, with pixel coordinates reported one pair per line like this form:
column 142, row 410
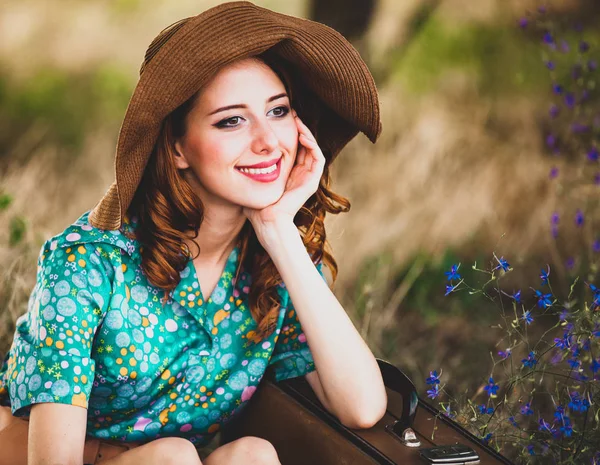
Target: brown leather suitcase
column 290, row 416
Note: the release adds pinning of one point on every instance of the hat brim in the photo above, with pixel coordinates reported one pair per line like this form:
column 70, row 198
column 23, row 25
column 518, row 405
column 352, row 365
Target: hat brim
column 326, row 69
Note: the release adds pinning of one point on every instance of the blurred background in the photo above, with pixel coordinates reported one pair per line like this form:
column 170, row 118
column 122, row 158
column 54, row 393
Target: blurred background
column 462, row 170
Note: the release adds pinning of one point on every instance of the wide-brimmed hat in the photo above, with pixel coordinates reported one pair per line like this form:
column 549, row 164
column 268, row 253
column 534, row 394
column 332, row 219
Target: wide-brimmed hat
column 336, row 90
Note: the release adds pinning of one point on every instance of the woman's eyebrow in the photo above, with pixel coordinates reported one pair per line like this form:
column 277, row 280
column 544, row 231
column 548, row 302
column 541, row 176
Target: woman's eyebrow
column 241, row 105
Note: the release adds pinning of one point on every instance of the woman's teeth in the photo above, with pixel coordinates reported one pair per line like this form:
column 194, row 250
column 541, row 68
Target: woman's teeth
column 270, row 169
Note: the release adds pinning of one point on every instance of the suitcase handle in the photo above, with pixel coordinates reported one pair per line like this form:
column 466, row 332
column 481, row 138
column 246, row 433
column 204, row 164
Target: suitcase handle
column 396, row 380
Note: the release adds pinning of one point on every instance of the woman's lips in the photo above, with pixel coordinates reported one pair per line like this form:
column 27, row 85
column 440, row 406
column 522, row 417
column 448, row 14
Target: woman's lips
column 264, row 177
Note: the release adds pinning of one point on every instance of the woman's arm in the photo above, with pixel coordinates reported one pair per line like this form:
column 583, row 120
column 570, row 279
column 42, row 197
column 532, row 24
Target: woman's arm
column 56, row 434
column 348, row 372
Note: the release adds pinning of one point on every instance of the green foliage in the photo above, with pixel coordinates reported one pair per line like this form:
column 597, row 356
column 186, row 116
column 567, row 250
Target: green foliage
column 17, row 229
column 496, row 55
column 57, row 107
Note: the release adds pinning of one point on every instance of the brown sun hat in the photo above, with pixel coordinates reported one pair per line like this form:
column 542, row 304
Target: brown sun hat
column 332, row 86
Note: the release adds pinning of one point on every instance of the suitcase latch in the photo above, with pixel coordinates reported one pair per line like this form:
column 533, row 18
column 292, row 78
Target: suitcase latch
column 405, row 434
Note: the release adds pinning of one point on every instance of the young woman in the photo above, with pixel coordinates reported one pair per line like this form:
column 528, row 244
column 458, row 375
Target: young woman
column 156, row 314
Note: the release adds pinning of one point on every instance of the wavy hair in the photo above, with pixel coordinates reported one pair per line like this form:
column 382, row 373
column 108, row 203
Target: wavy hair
column 168, row 209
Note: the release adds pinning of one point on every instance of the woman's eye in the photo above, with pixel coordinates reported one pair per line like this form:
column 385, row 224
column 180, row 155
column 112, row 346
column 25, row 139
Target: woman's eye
column 280, row 113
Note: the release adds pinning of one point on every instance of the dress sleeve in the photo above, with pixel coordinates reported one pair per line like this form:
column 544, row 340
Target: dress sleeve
column 51, row 355
column 291, row 356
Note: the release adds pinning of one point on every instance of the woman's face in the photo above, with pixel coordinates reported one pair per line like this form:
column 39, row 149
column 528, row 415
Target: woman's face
column 241, row 118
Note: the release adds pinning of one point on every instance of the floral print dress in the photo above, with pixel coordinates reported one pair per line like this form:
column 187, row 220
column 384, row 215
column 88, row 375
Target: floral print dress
column 96, row 335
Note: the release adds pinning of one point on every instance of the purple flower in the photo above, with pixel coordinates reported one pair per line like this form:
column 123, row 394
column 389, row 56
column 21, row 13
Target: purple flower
column 513, row 422
column 491, row 388
column 554, row 111
column 574, row 363
column 592, row 65
column 550, row 140
column 595, row 366
column 434, row 378
column 548, row 39
column 523, row 23
column 557, row 88
column 564, row 46
column 448, row 412
column 530, row 361
column 555, row 218
column 504, row 354
column 486, row 439
column 526, row 409
column 527, row 318
column 550, row 65
column 593, row 154
column 517, row 296
column 563, row 315
column 544, row 275
column 453, row 273
column 564, row 342
column 553, row 172
column 579, row 218
column 570, row 263
column 545, row 426
column 434, row 391
column 570, row 99
column 596, row 246
column 583, row 46
column 530, row 449
column 578, row 128
column 558, row 413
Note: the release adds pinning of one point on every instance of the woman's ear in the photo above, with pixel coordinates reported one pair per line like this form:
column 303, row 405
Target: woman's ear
column 180, row 161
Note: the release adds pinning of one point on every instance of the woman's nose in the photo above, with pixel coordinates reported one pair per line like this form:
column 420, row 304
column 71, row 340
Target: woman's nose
column 264, row 138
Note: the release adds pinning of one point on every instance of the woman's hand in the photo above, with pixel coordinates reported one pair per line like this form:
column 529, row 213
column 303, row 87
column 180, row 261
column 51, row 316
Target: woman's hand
column 302, row 182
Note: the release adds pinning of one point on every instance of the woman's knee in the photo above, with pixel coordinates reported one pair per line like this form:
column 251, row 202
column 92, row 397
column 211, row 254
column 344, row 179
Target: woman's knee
column 258, row 450
column 173, row 450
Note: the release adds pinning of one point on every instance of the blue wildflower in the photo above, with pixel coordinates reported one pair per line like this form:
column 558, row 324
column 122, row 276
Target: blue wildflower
column 559, row 412
column 593, row 154
column 544, row 300
column 491, row 388
column 530, row 361
column 502, row 264
column 450, row 288
column 434, row 378
column 574, row 363
column 526, row 409
column 595, row 366
column 545, row 426
column 513, row 422
column 564, row 46
column 565, row 341
column 548, row 39
column 527, row 318
column 523, row 23
column 553, row 172
column 483, row 409
column 530, row 449
column 578, row 403
column 551, row 140
column 563, row 315
column 486, row 439
column 557, row 89
column 453, row 273
column 596, row 246
column 570, row 263
column 579, row 218
column 566, row 427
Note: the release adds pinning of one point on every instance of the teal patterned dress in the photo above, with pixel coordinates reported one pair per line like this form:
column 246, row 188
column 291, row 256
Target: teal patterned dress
column 96, row 335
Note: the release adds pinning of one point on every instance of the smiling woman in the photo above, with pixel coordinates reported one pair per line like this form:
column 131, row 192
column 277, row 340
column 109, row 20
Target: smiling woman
column 133, row 341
